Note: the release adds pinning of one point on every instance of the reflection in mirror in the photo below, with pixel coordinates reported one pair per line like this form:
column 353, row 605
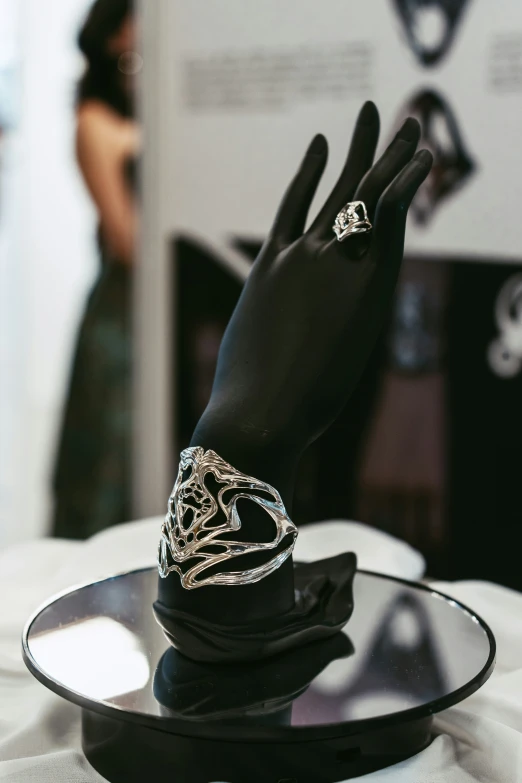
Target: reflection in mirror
column 198, row 691
column 115, row 666
column 403, row 641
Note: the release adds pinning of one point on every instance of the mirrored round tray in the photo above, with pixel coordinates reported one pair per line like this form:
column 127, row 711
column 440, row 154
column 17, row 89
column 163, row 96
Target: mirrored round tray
column 334, row 709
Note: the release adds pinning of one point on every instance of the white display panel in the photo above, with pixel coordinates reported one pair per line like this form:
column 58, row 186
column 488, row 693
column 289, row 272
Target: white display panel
column 251, row 84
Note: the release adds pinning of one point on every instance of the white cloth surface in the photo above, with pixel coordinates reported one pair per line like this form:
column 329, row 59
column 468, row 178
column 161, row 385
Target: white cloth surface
column 480, row 741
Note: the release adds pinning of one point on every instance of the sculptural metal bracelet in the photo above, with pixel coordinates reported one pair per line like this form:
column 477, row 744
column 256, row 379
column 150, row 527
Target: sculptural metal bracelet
column 352, row 219
column 196, row 521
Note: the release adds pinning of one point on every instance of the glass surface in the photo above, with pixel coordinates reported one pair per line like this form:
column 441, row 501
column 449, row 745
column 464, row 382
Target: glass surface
column 403, row 647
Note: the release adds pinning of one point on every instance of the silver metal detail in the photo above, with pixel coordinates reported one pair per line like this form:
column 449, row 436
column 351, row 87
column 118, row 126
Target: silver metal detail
column 352, row 219
column 192, row 528
column 505, row 352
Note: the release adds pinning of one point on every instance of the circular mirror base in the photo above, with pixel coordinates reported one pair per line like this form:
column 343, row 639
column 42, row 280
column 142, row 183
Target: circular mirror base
column 327, row 711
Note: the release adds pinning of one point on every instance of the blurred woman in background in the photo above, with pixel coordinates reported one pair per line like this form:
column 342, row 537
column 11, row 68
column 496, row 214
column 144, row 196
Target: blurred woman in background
column 92, row 474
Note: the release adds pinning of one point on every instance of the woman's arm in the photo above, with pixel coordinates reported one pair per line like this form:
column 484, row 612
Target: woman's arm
column 104, row 142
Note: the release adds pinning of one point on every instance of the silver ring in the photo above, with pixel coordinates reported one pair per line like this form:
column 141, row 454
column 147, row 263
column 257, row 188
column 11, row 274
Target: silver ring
column 192, row 534
column 352, row 219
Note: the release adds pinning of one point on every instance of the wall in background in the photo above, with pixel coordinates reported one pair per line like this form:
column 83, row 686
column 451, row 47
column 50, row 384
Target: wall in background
column 48, row 256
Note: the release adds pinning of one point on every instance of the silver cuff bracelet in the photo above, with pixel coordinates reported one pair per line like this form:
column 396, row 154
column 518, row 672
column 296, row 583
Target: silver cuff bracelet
column 192, row 528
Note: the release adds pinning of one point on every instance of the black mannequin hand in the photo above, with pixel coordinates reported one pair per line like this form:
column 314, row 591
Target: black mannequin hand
column 297, row 342
column 312, row 307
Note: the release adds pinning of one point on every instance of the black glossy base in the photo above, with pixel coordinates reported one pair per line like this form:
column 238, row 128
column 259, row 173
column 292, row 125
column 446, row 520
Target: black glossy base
column 129, row 753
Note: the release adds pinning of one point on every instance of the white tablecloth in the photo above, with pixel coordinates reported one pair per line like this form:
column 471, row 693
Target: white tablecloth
column 478, row 741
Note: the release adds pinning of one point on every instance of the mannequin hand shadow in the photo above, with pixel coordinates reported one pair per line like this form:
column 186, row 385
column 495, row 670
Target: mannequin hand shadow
column 312, row 307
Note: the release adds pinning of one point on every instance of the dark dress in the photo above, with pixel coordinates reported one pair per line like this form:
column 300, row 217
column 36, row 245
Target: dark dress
column 92, row 476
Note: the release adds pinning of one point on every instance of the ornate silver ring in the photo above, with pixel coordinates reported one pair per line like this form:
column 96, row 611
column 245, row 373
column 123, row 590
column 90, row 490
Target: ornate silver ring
column 352, row 219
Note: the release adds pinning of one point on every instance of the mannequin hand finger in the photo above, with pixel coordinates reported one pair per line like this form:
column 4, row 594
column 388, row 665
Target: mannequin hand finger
column 290, row 220
column 392, row 208
column 392, row 161
column 359, row 160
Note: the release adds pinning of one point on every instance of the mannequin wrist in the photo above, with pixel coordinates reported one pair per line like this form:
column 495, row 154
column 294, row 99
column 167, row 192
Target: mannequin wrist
column 249, row 450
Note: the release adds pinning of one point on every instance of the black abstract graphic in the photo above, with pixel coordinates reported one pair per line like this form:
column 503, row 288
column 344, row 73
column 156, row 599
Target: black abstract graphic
column 452, row 163
column 430, row 26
